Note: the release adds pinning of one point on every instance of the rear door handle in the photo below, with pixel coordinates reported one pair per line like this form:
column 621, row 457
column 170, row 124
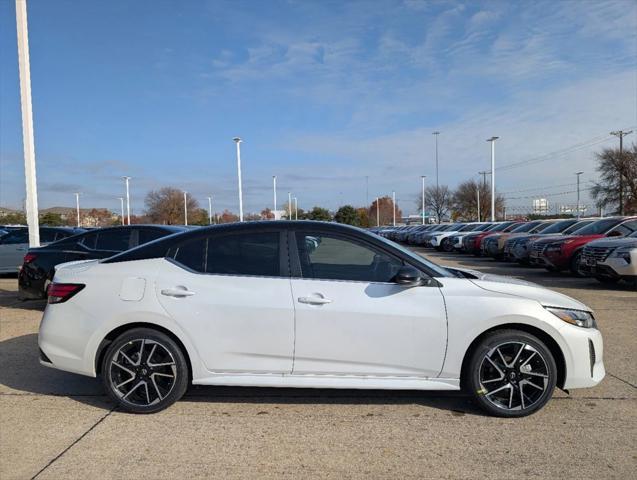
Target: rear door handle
column 177, row 292
column 314, row 300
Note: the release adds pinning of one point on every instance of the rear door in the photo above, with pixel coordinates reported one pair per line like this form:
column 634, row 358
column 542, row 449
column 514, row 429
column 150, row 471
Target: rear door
column 352, row 319
column 231, row 294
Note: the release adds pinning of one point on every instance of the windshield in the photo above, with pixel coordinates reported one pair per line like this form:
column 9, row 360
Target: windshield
column 467, row 228
column 598, row 227
column 525, row 227
column 558, row 227
column 577, row 226
column 541, row 227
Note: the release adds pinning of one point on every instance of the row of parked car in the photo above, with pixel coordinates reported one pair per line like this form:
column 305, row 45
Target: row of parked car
column 36, row 266
column 603, row 248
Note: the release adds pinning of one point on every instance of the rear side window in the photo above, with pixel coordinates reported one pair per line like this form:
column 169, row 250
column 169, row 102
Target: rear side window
column 15, row 237
column 192, row 254
column 149, row 234
column 246, row 254
column 88, row 241
column 113, row 240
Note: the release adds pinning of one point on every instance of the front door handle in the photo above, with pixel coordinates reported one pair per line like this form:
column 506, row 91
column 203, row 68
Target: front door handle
column 314, row 300
column 177, row 292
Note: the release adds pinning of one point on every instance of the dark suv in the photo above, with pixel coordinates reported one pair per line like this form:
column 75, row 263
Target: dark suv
column 39, row 263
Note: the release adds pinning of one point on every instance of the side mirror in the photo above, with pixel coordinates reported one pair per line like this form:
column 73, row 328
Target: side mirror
column 408, row 277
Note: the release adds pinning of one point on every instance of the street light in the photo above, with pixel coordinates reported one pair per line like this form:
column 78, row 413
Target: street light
column 578, row 209
column 289, row 205
column 393, row 204
column 121, row 203
column 209, row 210
column 478, row 192
column 238, row 141
column 274, row 192
column 127, row 179
column 77, row 207
column 185, row 208
column 423, row 197
column 296, row 209
column 492, row 140
column 27, row 124
column 437, row 182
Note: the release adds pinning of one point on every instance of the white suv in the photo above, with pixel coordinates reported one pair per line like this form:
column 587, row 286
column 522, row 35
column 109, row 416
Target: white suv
column 610, row 260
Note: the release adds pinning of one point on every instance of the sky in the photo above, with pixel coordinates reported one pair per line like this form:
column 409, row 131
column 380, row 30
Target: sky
column 324, row 94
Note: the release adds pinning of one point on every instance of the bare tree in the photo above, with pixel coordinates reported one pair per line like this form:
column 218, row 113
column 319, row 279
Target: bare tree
column 465, row 201
column 166, row 206
column 437, row 200
column 616, row 171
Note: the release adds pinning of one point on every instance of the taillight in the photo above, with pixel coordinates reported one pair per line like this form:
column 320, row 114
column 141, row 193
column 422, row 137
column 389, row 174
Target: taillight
column 61, row 292
column 29, row 257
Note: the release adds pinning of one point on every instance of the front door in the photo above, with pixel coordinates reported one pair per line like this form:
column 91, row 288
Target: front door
column 352, row 319
column 231, row 294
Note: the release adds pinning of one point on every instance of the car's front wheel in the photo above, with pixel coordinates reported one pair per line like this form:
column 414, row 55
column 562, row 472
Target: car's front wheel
column 511, row 373
column 144, row 371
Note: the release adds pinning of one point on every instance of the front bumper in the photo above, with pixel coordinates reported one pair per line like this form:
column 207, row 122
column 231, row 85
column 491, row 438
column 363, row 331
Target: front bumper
column 584, row 357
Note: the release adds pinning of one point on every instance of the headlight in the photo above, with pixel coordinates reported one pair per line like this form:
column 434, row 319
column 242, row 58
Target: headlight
column 623, row 253
column 574, row 317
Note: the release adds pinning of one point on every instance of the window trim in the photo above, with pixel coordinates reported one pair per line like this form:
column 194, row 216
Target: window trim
column 295, row 259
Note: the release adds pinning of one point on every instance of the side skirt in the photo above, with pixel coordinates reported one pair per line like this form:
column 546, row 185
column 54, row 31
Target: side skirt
column 330, row 381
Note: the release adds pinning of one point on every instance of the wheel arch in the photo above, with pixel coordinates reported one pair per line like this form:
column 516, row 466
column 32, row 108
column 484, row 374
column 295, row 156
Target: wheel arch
column 542, row 335
column 116, row 332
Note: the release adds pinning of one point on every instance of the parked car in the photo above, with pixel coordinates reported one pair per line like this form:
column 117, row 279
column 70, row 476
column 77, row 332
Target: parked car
column 442, row 240
column 39, row 264
column 14, row 244
column 556, row 254
column 413, row 235
column 472, row 242
column 311, row 304
column 610, row 260
column 493, row 245
column 516, row 249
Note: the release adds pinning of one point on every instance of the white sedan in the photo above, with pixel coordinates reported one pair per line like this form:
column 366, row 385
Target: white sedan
column 311, row 304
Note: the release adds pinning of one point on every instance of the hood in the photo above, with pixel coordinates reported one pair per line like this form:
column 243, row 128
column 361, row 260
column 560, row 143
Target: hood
column 544, row 296
column 519, row 288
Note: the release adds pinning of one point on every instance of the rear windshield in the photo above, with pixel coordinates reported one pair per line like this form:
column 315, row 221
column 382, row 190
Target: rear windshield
column 558, row 227
column 525, row 227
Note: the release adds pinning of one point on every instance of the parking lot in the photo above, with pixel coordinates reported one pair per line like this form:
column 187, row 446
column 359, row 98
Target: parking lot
column 59, row 425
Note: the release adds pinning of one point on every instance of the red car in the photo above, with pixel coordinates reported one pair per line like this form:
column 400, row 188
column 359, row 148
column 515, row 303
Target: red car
column 557, row 254
column 471, row 242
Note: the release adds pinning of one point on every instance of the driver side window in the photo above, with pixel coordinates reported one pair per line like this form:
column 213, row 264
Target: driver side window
column 329, row 257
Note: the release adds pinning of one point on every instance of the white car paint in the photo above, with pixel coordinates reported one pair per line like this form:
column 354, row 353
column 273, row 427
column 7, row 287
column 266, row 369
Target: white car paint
column 253, row 331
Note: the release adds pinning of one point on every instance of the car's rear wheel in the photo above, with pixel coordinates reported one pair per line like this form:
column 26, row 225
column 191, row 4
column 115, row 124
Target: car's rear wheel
column 145, row 371
column 511, row 373
column 446, row 245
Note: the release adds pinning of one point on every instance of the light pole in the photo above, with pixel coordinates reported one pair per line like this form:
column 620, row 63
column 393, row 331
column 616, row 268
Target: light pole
column 185, row 208
column 296, row 209
column 621, row 134
column 77, row 207
column 27, row 123
column 238, row 141
column 377, row 212
column 366, row 190
column 492, row 140
column 127, row 179
column 423, row 197
column 393, row 204
column 478, row 192
column 578, row 209
column 289, row 205
column 274, row 193
column 121, row 204
column 435, row 134
column 209, row 210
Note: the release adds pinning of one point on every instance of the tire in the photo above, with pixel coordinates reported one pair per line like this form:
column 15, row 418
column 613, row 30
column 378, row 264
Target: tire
column 446, row 245
column 145, row 386
column 499, row 387
column 574, row 265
